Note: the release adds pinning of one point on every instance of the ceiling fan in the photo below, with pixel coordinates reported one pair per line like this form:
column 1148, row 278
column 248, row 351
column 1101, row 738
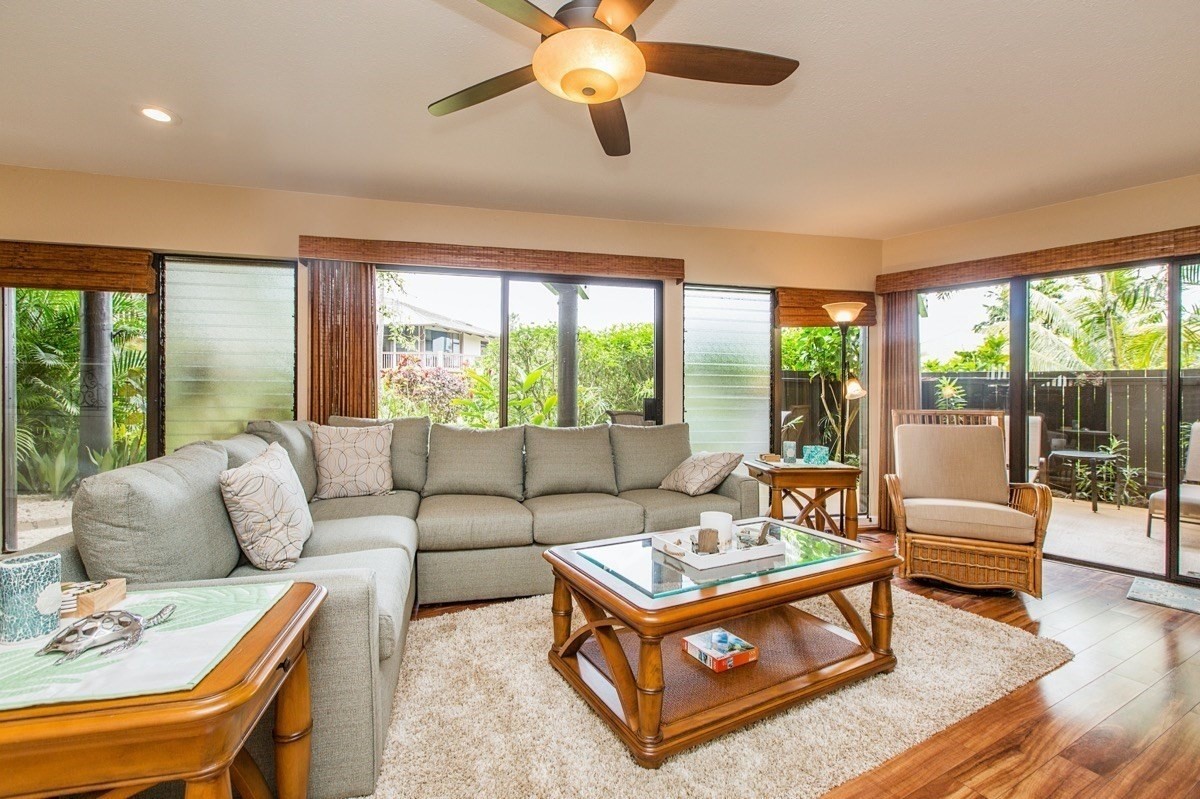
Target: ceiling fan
column 589, row 54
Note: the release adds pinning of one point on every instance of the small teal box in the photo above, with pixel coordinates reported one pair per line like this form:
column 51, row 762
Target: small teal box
column 30, row 595
column 816, row 456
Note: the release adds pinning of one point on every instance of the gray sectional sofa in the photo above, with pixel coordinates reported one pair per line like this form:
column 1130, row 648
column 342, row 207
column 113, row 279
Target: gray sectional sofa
column 470, row 515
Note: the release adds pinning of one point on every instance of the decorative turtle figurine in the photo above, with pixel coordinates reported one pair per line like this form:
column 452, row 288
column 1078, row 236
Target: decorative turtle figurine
column 121, row 627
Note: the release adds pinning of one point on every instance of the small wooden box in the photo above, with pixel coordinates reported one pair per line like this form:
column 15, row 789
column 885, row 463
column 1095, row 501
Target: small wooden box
column 92, row 597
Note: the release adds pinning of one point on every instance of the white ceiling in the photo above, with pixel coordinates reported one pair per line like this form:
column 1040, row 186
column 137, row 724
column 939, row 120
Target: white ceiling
column 903, row 116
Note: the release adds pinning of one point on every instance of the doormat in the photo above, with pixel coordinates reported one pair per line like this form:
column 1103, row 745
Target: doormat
column 1169, row 595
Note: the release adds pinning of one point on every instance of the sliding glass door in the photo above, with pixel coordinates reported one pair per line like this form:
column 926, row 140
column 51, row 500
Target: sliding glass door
column 75, row 400
column 1182, row 534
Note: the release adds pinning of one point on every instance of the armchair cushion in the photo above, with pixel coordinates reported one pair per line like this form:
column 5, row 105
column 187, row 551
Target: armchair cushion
column 965, row 518
column 952, row 462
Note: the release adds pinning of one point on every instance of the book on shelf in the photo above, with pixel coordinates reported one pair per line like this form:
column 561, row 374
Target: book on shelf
column 720, row 649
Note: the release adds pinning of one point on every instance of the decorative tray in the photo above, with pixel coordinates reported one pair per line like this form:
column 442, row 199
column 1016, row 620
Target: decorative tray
column 681, row 545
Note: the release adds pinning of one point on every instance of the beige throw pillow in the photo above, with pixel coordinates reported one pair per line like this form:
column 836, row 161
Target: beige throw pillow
column 702, row 472
column 267, row 508
column 353, row 461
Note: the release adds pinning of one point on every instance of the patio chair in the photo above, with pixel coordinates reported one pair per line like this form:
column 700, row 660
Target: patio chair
column 635, row 418
column 1035, row 461
column 958, row 519
column 1189, row 490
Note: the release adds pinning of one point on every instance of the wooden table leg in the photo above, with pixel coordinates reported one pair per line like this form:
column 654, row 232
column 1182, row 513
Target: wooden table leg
column 293, row 731
column 776, row 503
column 1095, row 473
column 650, row 690
column 881, row 617
column 850, row 509
column 560, row 609
column 217, row 787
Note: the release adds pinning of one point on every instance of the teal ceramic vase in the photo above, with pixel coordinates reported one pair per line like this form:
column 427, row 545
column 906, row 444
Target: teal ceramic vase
column 30, row 593
column 816, row 456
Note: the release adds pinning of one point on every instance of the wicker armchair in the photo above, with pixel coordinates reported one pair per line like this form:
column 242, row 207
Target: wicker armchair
column 960, row 521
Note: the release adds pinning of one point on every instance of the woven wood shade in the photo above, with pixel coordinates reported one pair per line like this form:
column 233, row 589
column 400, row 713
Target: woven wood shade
column 1166, row 244
column 76, row 268
column 803, row 307
column 342, row 371
column 508, row 259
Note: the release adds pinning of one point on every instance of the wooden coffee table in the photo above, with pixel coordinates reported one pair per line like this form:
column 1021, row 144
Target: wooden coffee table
column 118, row 747
column 627, row 661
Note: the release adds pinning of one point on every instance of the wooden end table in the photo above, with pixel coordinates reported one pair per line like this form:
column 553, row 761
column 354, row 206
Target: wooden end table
column 810, row 487
column 628, row 663
column 117, row 747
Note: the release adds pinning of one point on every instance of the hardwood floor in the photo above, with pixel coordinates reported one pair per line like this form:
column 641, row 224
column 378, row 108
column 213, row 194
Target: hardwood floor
column 1120, row 720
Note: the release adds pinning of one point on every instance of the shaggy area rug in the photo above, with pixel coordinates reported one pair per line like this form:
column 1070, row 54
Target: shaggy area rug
column 480, row 713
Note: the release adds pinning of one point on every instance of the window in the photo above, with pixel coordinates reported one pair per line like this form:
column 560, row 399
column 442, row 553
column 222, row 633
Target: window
column 571, row 350
column 727, row 355
column 229, row 346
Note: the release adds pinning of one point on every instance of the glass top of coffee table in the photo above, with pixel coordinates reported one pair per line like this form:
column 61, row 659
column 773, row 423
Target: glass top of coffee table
column 657, row 574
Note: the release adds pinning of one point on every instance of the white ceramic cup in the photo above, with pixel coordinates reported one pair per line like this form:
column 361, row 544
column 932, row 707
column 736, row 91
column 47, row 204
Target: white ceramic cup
column 722, row 523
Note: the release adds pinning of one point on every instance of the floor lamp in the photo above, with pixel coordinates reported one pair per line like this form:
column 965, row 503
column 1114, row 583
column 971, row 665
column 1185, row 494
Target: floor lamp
column 843, row 315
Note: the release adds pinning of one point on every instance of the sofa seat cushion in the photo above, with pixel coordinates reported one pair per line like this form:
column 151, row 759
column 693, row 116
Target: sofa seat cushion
column 339, row 536
column 644, row 456
column 966, row 518
column 157, row 522
column 395, row 503
column 410, row 446
column 568, row 460
column 467, row 521
column 463, row 460
column 393, row 574
column 670, row 510
column 572, row 518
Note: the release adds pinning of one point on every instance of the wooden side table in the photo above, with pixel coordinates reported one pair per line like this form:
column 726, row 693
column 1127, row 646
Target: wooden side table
column 118, row 747
column 810, row 487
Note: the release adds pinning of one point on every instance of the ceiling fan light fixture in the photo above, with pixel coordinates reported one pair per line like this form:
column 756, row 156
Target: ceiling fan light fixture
column 589, row 65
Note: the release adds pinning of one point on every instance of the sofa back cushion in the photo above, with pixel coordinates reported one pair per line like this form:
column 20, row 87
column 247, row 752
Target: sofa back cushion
column 161, row 521
column 646, row 455
column 410, row 447
column 945, row 461
column 296, row 438
column 467, row 461
column 568, row 460
column 242, row 448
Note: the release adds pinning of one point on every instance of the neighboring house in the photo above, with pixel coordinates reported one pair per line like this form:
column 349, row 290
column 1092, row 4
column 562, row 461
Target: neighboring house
column 438, row 340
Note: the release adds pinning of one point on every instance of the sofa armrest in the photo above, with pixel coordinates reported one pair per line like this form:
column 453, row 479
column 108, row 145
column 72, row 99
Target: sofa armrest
column 72, row 565
column 349, row 719
column 1036, row 500
column 744, row 490
column 895, row 496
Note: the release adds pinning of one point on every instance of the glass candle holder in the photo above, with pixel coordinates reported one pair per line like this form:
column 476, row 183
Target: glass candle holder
column 789, row 452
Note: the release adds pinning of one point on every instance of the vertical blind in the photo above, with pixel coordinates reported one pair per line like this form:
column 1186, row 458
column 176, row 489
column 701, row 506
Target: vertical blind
column 229, row 346
column 727, row 368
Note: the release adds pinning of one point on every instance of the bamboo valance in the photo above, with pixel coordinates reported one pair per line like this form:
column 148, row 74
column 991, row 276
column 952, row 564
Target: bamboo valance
column 1148, row 246
column 802, row 307
column 505, row 259
column 77, row 268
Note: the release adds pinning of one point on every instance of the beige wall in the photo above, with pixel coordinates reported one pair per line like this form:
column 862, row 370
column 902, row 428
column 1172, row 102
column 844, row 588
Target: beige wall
column 53, row 206
column 1144, row 209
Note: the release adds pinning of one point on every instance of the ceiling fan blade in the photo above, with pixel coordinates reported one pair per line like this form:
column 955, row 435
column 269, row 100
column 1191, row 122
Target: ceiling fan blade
column 620, row 14
column 493, row 87
column 716, row 64
column 611, row 126
column 527, row 14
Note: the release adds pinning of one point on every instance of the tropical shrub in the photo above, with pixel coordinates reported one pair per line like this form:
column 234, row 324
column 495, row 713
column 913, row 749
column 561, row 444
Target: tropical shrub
column 412, row 389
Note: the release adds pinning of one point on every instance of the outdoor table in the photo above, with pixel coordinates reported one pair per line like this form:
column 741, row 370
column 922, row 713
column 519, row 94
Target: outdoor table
column 1093, row 460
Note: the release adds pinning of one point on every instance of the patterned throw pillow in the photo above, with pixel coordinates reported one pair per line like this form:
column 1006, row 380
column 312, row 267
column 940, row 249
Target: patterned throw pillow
column 702, row 472
column 353, row 461
column 267, row 508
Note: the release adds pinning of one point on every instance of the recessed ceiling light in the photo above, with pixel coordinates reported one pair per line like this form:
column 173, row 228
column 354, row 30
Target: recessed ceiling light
column 158, row 114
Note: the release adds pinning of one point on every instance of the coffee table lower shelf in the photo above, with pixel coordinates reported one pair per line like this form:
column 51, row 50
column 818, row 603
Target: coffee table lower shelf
column 800, row 656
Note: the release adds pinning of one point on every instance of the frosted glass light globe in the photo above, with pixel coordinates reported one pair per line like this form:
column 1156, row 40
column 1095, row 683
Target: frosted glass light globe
column 589, row 65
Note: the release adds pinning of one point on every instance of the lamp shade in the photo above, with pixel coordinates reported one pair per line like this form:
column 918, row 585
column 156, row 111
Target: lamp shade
column 589, row 65
column 854, row 388
column 844, row 313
